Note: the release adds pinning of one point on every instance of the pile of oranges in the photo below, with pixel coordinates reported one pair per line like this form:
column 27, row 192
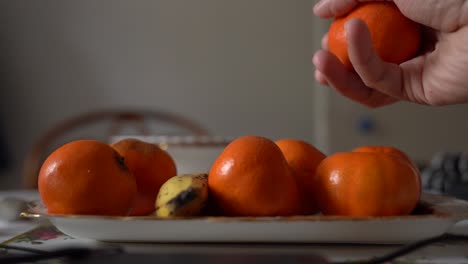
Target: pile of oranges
column 253, row 176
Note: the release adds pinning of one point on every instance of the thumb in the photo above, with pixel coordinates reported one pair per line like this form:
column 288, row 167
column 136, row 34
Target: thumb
column 375, row 73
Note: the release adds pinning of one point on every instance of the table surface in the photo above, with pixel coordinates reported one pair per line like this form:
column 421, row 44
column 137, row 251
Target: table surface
column 43, row 235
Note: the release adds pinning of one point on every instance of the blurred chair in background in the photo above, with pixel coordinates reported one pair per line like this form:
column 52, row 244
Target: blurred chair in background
column 103, row 125
column 4, row 151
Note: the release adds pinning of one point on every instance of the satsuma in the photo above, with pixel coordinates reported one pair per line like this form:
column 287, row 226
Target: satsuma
column 151, row 166
column 251, row 177
column 86, row 177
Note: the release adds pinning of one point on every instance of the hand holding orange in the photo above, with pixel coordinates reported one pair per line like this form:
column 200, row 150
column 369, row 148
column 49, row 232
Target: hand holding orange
column 395, row 38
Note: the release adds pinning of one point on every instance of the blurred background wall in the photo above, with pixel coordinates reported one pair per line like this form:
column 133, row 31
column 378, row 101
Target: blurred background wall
column 237, row 67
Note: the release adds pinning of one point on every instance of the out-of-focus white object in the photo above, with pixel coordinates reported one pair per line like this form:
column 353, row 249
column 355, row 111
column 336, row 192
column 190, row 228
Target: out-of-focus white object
column 192, row 154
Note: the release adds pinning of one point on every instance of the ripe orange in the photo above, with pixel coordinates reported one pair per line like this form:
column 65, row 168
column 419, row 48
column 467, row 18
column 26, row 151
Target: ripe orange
column 386, row 149
column 303, row 159
column 366, row 184
column 391, row 151
column 251, row 177
column 383, row 149
column 86, row 177
column 394, row 37
column 151, row 166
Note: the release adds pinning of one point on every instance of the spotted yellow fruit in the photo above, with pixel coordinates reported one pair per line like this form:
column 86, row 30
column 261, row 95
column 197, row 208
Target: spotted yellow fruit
column 182, row 195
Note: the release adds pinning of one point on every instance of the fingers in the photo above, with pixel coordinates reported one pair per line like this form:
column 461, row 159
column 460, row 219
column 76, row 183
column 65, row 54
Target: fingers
column 329, row 67
column 447, row 15
column 325, row 42
column 334, row 8
column 382, row 76
column 320, row 77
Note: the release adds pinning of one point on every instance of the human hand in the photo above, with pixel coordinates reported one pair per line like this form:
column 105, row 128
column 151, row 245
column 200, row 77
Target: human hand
column 438, row 76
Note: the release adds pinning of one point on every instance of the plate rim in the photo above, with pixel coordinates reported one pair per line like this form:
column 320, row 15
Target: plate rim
column 442, row 208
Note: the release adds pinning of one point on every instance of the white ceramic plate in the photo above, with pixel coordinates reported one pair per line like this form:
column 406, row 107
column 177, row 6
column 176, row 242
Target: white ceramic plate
column 443, row 213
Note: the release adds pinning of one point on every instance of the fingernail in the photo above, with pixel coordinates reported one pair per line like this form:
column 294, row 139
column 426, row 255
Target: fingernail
column 315, row 59
column 350, row 23
column 347, row 25
column 319, row 5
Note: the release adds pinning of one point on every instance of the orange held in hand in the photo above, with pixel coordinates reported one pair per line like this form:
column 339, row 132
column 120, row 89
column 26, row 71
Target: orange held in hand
column 394, row 37
column 366, row 183
column 303, row 159
column 251, row 177
column 86, row 177
column 151, row 166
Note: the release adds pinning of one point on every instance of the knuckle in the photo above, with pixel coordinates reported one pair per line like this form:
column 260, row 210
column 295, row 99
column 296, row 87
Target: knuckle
column 373, row 77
